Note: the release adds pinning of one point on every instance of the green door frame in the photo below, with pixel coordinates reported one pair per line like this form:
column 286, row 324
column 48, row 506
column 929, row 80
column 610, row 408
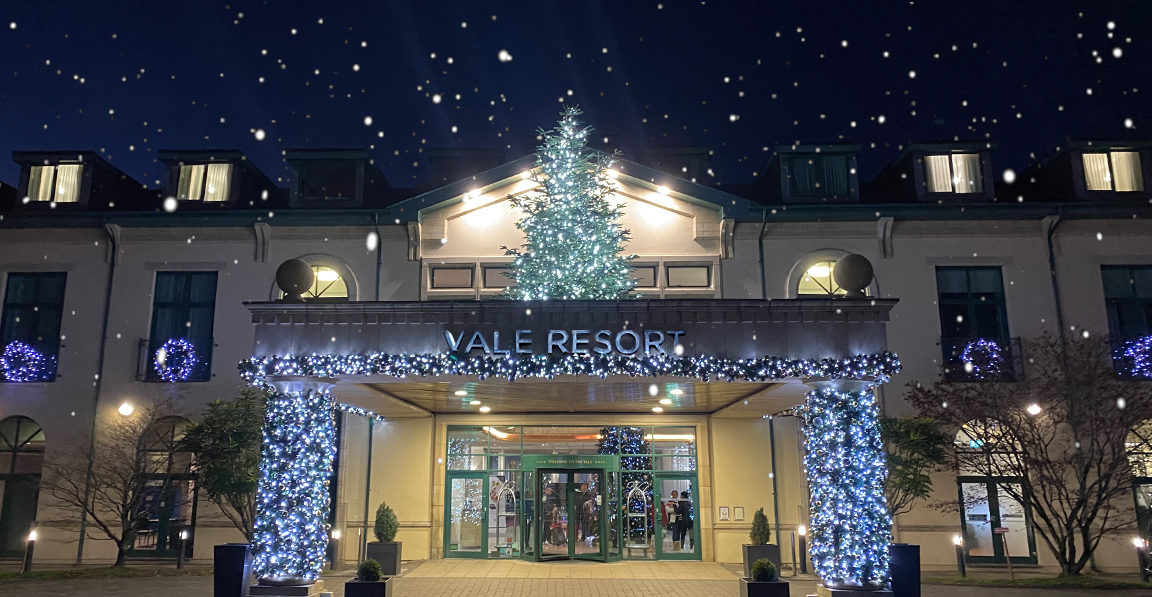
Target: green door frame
column 537, row 464
column 657, row 477
column 991, row 484
column 481, row 476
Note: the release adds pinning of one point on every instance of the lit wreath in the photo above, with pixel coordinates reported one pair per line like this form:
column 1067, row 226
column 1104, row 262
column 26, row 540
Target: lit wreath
column 175, row 360
column 984, row 357
column 1139, row 353
column 21, row 362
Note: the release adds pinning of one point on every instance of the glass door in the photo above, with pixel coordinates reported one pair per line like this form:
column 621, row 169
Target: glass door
column 466, row 509
column 676, row 535
column 587, row 504
column 988, row 506
column 528, row 517
column 553, row 535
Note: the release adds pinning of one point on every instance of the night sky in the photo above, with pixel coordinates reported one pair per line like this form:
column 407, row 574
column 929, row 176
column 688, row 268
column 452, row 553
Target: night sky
column 128, row 78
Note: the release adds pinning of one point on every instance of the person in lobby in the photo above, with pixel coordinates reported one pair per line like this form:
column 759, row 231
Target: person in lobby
column 684, row 521
column 670, row 514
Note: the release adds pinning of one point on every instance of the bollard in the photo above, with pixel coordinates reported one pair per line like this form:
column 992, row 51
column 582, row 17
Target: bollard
column 180, row 554
column 958, row 541
column 803, row 550
column 26, row 565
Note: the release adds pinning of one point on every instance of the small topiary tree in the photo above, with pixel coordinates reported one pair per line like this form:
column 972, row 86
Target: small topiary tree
column 368, row 571
column 386, row 524
column 761, row 532
column 763, row 570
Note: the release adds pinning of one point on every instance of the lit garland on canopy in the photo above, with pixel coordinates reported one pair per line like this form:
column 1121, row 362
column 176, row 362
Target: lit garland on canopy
column 22, row 363
column 290, row 533
column 1139, row 355
column 845, row 464
column 548, row 366
column 175, row 360
column 573, row 242
column 982, row 358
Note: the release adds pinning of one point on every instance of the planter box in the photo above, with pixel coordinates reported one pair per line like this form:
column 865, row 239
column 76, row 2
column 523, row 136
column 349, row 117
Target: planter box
column 388, row 554
column 760, row 552
column 904, row 563
column 750, row 588
column 378, row 588
column 232, row 569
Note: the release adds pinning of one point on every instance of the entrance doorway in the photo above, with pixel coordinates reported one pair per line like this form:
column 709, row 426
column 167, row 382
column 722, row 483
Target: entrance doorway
column 570, row 525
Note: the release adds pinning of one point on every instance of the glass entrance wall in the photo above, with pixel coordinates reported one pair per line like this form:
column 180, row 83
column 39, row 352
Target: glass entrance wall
column 652, row 462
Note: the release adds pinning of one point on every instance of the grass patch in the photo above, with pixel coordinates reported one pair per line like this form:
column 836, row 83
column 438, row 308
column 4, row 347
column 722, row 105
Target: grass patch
column 110, row 572
column 1071, row 582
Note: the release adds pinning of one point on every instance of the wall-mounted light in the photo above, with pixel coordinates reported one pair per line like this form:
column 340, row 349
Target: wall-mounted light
column 461, row 392
column 126, row 409
column 1034, row 409
column 657, row 409
column 485, row 409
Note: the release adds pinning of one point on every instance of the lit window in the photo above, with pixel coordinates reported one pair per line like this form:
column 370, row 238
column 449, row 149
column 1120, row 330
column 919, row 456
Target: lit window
column 1114, row 171
column 327, row 283
column 817, row 280
column 55, row 183
column 954, row 173
column 204, row 182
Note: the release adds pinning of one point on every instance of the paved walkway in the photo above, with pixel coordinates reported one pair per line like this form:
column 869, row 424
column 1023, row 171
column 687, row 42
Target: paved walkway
column 489, row 578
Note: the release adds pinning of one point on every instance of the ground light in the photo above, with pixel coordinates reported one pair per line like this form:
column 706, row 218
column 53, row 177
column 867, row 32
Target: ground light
column 803, row 532
column 183, row 547
column 333, row 547
column 958, row 541
column 1142, row 557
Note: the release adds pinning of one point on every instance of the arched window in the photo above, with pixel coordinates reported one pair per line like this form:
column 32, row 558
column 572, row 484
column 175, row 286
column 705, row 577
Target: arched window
column 814, row 276
column 1139, row 446
column 989, row 489
column 21, row 460
column 332, row 280
column 170, row 488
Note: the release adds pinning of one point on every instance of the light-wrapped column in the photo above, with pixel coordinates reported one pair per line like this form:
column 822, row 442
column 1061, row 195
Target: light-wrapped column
column 291, row 527
column 850, row 524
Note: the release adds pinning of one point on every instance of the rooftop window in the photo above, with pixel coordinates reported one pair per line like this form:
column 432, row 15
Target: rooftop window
column 204, row 182
column 953, row 173
column 1113, row 171
column 819, row 175
column 59, row 183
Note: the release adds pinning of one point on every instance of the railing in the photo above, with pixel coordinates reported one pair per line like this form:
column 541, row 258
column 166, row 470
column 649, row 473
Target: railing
column 982, row 359
column 199, row 370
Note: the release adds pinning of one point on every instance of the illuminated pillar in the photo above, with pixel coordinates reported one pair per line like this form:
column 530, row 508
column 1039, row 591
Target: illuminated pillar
column 845, row 465
column 290, row 534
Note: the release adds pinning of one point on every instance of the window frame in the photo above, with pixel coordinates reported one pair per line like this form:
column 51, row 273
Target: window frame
column 1110, row 164
column 977, row 189
column 48, row 348
column 202, row 189
column 1112, row 304
column 820, row 178
column 707, row 267
column 471, row 268
column 54, row 196
column 205, row 349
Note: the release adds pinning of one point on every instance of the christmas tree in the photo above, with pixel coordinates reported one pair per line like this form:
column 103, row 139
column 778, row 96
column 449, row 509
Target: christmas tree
column 573, row 241
column 630, row 440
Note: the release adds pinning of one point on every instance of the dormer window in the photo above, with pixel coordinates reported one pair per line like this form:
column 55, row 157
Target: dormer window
column 1113, row 171
column 204, row 182
column 328, row 179
column 57, row 183
column 954, row 173
column 819, row 174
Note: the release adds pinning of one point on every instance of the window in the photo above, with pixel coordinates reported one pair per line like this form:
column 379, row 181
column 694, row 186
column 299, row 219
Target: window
column 818, row 280
column 974, row 326
column 21, row 460
column 184, row 308
column 169, row 490
column 954, row 173
column 645, row 276
column 327, row 179
column 688, row 276
column 498, row 277
column 1139, row 448
column 452, row 277
column 60, row 183
column 1128, row 297
column 989, row 487
column 1113, row 171
column 33, row 305
column 204, row 182
column 327, row 283
column 819, row 175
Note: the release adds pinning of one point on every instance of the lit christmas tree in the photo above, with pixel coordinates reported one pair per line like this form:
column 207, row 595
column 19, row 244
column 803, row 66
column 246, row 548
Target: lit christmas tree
column 573, row 241
column 630, row 440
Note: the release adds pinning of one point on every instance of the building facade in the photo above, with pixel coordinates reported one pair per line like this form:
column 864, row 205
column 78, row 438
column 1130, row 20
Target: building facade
column 101, row 274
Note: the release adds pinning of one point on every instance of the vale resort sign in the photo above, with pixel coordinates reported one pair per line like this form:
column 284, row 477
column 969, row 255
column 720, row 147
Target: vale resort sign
column 529, row 342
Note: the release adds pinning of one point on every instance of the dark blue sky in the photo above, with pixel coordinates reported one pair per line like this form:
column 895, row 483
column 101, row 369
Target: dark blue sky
column 128, row 78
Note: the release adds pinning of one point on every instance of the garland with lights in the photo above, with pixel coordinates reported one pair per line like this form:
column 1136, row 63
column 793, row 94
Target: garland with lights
column 175, row 360
column 22, row 363
column 573, row 242
column 702, row 368
column 982, row 358
column 290, row 533
column 845, row 465
column 624, row 441
column 1139, row 355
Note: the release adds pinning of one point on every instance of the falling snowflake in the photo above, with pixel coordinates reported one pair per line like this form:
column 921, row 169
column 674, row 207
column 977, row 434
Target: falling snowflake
column 504, row 56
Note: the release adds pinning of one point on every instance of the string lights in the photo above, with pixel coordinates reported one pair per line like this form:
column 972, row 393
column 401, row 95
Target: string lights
column 290, row 533
column 573, row 242
column 702, row 368
column 175, row 360
column 850, row 524
column 630, row 440
column 982, row 359
column 1138, row 353
column 22, row 363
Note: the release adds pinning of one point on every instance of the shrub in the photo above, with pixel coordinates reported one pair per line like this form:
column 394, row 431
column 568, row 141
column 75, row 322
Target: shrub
column 763, row 570
column 368, row 571
column 386, row 524
column 761, row 533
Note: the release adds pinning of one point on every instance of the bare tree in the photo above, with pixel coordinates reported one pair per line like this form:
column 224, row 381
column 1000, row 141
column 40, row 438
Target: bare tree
column 1061, row 432
column 113, row 498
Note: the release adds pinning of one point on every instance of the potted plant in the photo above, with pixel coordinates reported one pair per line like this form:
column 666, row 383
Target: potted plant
column 759, row 549
column 765, row 581
column 368, row 582
column 385, row 549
